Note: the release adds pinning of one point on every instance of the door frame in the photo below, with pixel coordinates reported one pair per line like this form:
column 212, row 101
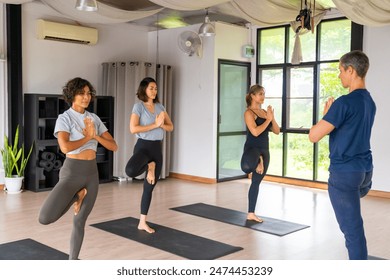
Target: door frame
column 234, row 63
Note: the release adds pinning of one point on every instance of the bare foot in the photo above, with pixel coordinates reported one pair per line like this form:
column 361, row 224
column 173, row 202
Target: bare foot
column 77, row 205
column 142, row 225
column 260, row 166
column 252, row 217
column 150, row 177
column 145, row 227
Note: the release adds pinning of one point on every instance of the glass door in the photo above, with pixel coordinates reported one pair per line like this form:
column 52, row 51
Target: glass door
column 233, row 84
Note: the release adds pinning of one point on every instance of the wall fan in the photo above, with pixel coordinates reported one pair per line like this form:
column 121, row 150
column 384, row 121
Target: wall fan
column 190, row 43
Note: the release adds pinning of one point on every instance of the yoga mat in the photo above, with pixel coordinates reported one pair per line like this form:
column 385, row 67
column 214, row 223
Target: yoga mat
column 270, row 225
column 375, row 258
column 28, row 249
column 177, row 242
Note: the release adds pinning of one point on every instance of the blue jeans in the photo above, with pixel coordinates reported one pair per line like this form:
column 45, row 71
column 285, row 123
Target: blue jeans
column 345, row 190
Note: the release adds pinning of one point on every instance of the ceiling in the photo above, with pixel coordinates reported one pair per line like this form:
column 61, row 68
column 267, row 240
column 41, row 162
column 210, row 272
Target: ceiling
column 132, row 5
column 261, row 13
column 168, row 16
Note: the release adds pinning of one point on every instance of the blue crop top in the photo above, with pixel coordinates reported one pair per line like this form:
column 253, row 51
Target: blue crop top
column 73, row 123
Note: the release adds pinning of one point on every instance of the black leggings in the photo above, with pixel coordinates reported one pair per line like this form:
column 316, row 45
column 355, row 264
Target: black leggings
column 249, row 162
column 75, row 175
column 145, row 151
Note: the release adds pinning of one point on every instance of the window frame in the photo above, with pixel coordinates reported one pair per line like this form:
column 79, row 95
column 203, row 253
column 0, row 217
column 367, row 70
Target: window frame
column 356, row 43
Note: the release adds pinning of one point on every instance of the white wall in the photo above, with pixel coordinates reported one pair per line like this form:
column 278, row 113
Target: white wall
column 376, row 45
column 192, row 114
column 48, row 65
column 195, row 98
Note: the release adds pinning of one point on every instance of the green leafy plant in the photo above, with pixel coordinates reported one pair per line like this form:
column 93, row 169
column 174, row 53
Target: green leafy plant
column 14, row 157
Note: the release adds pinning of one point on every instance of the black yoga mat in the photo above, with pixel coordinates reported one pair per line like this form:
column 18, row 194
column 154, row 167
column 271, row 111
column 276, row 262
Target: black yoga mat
column 28, row 249
column 170, row 240
column 270, row 225
column 373, row 258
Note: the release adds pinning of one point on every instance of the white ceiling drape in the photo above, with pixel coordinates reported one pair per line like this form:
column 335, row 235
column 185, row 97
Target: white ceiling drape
column 367, row 12
column 271, row 12
column 15, row 2
column 262, row 13
column 188, row 5
column 104, row 15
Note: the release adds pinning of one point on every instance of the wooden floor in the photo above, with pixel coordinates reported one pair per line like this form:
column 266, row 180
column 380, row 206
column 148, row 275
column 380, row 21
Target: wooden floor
column 321, row 241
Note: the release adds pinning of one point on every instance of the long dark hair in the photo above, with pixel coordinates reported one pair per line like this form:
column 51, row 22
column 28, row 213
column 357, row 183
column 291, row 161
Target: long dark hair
column 141, row 92
column 76, row 86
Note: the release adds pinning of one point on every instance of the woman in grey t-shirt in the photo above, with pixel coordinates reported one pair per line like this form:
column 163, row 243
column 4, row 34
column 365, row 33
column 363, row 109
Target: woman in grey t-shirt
column 78, row 132
column 148, row 122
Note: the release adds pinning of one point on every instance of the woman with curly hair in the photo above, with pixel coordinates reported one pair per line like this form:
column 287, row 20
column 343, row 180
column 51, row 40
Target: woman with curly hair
column 78, row 132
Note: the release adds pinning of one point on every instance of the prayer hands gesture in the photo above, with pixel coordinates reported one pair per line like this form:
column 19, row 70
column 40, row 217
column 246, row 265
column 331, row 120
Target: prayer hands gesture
column 160, row 119
column 270, row 113
column 328, row 103
column 89, row 130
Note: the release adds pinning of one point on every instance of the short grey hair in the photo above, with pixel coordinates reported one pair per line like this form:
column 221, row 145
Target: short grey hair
column 358, row 60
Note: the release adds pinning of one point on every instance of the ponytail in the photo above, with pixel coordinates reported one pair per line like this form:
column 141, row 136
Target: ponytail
column 252, row 90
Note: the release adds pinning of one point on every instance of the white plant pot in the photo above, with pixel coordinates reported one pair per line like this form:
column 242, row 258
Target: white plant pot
column 13, row 184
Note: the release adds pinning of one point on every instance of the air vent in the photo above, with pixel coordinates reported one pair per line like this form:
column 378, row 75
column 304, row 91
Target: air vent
column 47, row 30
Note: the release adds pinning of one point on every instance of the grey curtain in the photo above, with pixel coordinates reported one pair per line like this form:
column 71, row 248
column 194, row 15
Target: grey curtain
column 164, row 83
column 121, row 80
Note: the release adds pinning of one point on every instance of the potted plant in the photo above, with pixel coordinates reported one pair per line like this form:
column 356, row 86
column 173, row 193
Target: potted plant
column 14, row 163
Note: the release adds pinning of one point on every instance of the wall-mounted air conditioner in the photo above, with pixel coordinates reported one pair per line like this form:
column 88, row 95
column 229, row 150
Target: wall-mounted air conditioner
column 48, row 30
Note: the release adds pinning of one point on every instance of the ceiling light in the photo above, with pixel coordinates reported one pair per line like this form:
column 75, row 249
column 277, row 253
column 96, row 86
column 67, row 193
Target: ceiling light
column 86, row 5
column 172, row 21
column 207, row 28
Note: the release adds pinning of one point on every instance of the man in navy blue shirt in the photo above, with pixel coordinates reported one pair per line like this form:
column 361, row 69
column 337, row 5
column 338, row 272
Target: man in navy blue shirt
column 348, row 120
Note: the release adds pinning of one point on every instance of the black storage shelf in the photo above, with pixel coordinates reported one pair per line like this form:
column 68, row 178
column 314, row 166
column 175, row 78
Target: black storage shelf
column 40, row 115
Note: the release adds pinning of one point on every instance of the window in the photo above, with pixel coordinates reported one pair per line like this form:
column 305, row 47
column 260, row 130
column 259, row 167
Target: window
column 298, row 93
